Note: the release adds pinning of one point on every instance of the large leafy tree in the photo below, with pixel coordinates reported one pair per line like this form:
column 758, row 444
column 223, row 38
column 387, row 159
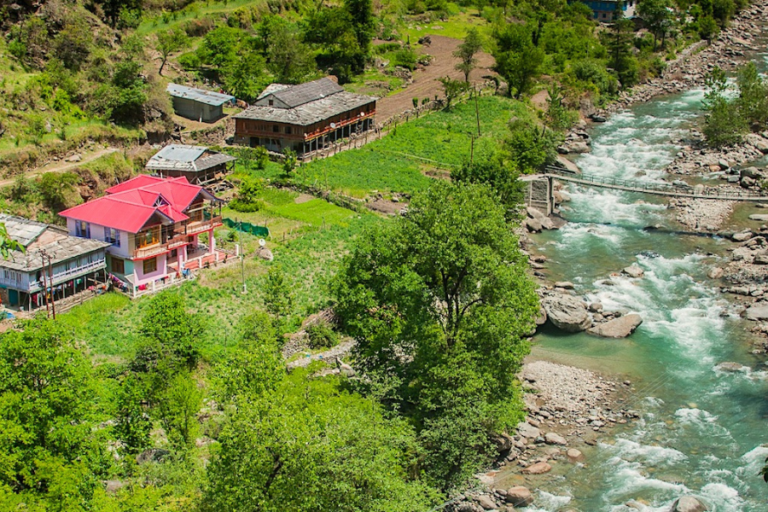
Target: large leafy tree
column 658, row 16
column 309, row 445
column 518, row 60
column 439, row 302
column 46, row 398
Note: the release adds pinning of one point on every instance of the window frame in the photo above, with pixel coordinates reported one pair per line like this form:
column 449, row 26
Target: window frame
column 153, row 262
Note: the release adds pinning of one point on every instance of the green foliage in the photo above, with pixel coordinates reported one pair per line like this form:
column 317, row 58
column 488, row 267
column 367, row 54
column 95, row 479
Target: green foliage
column 8, row 244
column 133, row 422
column 498, row 174
column 177, row 407
column 452, row 89
column 405, row 58
column 169, row 42
column 255, row 366
column 46, row 400
column 309, row 445
column 518, row 61
column 172, row 334
column 753, row 97
column 531, row 146
column 445, row 285
column 619, row 43
column 247, row 199
column 724, row 124
column 708, row 28
column 289, row 163
column 322, row 335
column 466, row 52
column 54, row 188
column 278, row 298
column 658, row 16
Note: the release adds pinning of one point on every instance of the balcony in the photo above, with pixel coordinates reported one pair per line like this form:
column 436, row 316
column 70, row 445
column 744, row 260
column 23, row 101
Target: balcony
column 198, row 226
column 61, row 277
column 149, row 251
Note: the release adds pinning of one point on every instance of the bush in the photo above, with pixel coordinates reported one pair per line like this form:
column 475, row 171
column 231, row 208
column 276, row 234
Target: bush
column 321, row 335
column 406, row 58
column 189, row 60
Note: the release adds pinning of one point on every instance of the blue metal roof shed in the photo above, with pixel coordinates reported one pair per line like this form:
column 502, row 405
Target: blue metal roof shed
column 198, row 104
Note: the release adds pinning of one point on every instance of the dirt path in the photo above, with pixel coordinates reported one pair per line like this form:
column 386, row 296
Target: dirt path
column 425, row 83
column 62, row 166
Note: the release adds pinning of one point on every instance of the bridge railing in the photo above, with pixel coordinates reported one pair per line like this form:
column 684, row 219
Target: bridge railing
column 670, row 188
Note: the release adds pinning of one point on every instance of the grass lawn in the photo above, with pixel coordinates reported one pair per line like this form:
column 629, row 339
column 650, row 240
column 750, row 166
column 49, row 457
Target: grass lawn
column 454, row 27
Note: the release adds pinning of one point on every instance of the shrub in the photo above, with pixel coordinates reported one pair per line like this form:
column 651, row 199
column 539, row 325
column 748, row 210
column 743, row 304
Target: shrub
column 189, row 60
column 321, row 335
column 406, row 58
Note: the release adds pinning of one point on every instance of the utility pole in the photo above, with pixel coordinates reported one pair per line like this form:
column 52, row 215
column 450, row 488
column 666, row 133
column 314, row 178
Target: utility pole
column 45, row 285
column 477, row 113
column 242, row 272
column 49, row 281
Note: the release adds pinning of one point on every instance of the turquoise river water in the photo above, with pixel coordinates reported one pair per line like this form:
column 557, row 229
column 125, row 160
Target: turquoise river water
column 701, row 431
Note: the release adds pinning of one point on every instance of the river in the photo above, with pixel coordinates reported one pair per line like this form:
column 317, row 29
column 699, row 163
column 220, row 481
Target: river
column 701, row 430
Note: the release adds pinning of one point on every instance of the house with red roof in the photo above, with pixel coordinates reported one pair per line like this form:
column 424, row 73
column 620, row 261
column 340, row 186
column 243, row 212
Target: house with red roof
column 154, row 227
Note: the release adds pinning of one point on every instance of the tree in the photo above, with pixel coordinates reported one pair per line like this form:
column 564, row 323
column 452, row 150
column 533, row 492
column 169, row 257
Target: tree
column 497, row 173
column 178, row 407
column 288, row 59
column 753, row 97
column 278, row 298
column 472, row 44
column 289, row 163
column 333, row 31
column 452, row 90
column 256, row 366
column 531, row 146
column 245, row 77
column 113, row 8
column 724, row 124
column 171, row 331
column 46, row 395
column 658, row 16
column 439, row 303
column 619, row 44
column 361, row 13
column 55, row 186
column 310, row 445
column 168, row 42
column 518, row 61
column 133, row 422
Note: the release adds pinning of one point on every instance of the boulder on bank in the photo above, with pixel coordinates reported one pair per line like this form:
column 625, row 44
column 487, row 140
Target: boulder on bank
column 553, row 438
column 757, row 312
column 760, row 217
column 730, row 366
column 688, row 504
column 519, row 496
column 568, row 164
column 567, row 312
column 618, row 327
column 537, row 468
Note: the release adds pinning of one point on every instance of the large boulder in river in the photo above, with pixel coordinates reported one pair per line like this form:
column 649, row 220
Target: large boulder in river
column 688, row 504
column 519, row 496
column 618, row 327
column 567, row 312
column 633, row 270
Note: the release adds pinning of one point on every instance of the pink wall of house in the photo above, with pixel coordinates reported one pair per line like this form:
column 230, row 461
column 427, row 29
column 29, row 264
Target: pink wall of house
column 142, row 278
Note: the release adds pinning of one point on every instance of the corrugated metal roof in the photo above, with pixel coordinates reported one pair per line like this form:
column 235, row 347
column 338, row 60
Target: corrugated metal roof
column 310, row 91
column 308, row 113
column 200, row 95
column 178, row 157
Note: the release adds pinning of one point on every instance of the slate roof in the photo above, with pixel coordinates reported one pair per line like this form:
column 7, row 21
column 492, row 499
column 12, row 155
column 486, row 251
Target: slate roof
column 177, row 157
column 308, row 113
column 53, row 240
column 130, row 205
column 297, row 95
column 199, row 95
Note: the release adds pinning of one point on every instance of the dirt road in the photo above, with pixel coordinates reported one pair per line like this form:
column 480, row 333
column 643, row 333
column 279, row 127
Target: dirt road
column 62, row 166
column 425, row 83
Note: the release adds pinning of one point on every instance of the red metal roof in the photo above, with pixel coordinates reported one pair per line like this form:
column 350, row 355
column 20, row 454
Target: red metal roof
column 130, row 205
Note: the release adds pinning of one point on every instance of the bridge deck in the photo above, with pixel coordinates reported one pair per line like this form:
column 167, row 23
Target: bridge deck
column 648, row 188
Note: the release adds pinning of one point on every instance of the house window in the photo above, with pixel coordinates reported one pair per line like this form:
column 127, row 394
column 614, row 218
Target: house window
column 82, row 229
column 112, row 236
column 118, row 265
column 288, row 130
column 150, row 265
column 276, row 128
column 271, row 103
column 11, row 276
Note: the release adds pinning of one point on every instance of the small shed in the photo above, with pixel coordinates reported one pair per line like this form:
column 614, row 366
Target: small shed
column 198, row 164
column 198, row 104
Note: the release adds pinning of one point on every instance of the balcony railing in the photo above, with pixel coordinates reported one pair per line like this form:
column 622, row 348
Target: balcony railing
column 157, row 249
column 66, row 275
column 203, row 225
